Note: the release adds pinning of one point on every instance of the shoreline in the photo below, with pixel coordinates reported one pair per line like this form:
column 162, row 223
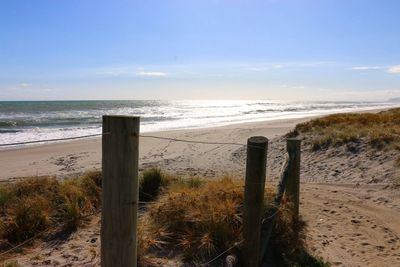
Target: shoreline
column 74, row 157
column 279, row 117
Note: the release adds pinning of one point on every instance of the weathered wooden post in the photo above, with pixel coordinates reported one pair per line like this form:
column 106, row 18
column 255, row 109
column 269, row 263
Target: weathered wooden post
column 293, row 183
column 120, row 191
column 257, row 148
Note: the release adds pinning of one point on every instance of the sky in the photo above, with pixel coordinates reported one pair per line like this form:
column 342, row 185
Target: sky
column 221, row 49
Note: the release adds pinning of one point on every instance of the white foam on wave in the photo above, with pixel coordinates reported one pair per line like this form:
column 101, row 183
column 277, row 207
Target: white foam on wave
column 175, row 115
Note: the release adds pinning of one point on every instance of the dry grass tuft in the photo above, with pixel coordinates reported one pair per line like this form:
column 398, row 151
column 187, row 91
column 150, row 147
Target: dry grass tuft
column 194, row 217
column 32, row 205
column 200, row 219
column 381, row 130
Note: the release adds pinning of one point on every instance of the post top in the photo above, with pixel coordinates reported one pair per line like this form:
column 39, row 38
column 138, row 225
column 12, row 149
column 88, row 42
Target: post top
column 257, row 140
column 121, row 116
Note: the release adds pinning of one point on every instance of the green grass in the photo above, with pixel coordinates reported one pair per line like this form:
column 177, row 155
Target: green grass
column 380, row 130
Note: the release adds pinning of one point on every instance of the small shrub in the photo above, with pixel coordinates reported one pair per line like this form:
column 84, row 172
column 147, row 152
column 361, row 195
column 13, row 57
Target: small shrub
column 205, row 219
column 150, row 184
column 30, row 205
column 197, row 220
column 27, row 216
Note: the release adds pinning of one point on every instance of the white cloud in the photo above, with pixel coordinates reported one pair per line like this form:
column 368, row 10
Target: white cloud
column 394, row 69
column 24, row 85
column 292, row 86
column 367, row 68
column 264, row 67
column 256, row 69
column 151, row 73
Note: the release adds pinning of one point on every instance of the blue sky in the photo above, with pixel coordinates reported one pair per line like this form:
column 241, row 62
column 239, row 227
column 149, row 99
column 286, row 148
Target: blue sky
column 226, row 49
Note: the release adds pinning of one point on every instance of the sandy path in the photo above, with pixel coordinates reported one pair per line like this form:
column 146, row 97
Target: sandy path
column 353, row 226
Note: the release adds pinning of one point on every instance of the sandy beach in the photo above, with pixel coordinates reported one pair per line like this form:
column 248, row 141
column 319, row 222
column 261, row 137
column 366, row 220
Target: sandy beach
column 348, row 200
column 74, row 157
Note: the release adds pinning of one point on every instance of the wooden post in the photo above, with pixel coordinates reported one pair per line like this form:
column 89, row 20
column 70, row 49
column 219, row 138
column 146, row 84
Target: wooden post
column 120, row 191
column 257, row 148
column 293, row 183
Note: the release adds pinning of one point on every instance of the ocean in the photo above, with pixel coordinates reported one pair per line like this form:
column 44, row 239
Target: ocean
column 22, row 121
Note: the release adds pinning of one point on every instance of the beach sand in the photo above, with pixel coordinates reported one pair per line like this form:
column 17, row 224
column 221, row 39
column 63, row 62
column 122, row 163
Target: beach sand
column 63, row 159
column 348, row 200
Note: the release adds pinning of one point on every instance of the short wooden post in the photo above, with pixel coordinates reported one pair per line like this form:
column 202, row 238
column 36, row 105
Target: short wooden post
column 257, row 148
column 293, row 183
column 120, row 191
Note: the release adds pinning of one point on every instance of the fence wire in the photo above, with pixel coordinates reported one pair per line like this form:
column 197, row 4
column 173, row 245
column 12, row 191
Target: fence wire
column 50, row 140
column 276, row 204
column 141, row 135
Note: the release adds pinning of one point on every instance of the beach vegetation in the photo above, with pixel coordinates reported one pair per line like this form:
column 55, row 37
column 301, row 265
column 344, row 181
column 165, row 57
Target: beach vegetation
column 380, row 130
column 32, row 205
column 151, row 182
column 202, row 218
column 192, row 217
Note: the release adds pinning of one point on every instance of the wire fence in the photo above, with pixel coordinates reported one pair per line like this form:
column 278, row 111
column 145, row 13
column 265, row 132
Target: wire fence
column 64, row 224
column 50, row 140
column 141, row 135
column 275, row 205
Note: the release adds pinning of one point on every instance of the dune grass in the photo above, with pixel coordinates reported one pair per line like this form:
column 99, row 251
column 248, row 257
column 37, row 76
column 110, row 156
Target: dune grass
column 381, row 130
column 200, row 218
column 192, row 217
column 150, row 183
column 34, row 204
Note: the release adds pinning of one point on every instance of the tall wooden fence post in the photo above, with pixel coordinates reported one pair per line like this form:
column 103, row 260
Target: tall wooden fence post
column 293, row 183
column 120, row 147
column 257, row 148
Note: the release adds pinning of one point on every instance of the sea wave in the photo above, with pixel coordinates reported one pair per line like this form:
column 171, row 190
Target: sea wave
column 28, row 121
